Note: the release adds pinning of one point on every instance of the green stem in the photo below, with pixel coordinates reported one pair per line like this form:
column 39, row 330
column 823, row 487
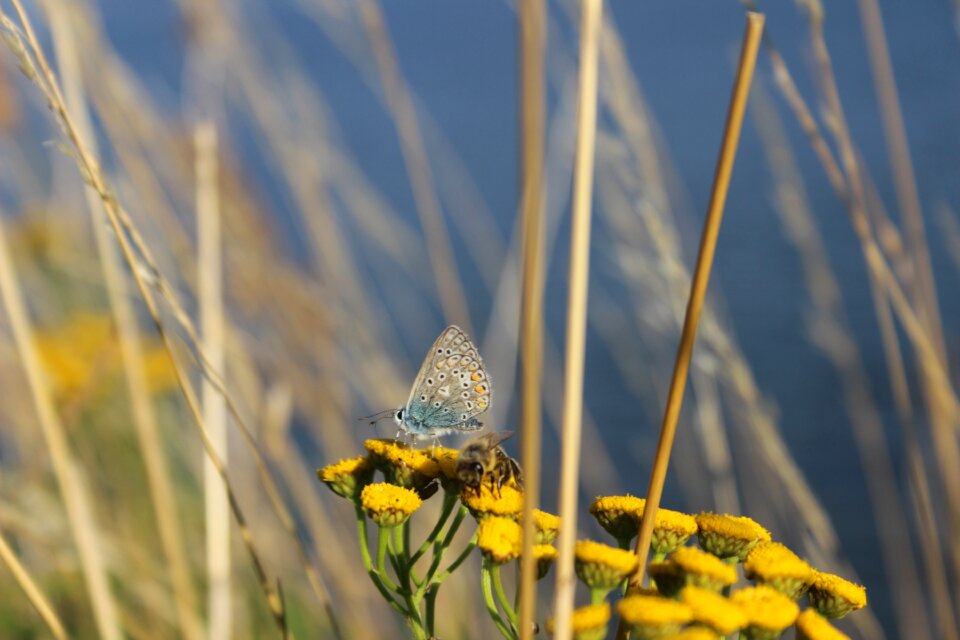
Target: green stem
column 449, row 501
column 458, row 561
column 382, row 543
column 597, row 596
column 502, row 597
column 368, row 563
column 486, row 587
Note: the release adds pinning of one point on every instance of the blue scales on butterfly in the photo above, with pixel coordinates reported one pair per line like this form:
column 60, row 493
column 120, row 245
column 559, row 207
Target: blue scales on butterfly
column 451, row 390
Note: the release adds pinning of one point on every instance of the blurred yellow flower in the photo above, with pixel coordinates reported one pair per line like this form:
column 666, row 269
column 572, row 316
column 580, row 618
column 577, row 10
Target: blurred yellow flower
column 387, row 504
column 713, row 610
column 83, row 352
column 500, row 539
column 703, row 569
column 620, row 516
column 601, row 566
column 835, row 597
column 653, row 616
column 727, row 536
column 692, row 633
column 507, row 501
column 347, row 477
column 545, row 555
column 774, row 564
column 588, row 622
column 446, row 460
column 547, row 525
column 768, row 611
column 812, row 626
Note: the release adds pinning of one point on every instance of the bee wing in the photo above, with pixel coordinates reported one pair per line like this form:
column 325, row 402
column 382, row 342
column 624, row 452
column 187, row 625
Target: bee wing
column 488, row 440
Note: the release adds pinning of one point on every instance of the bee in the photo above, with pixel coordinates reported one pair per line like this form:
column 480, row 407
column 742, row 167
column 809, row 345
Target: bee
column 483, row 459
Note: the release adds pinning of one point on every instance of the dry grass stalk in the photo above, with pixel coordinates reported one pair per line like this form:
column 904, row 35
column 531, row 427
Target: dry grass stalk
column 402, row 111
column 121, row 225
column 70, row 480
column 210, row 300
column 698, row 287
column 131, row 350
column 532, row 116
column 30, row 589
column 575, row 343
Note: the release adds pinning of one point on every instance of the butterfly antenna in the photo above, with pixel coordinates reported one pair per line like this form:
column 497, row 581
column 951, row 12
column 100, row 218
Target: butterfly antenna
column 378, row 416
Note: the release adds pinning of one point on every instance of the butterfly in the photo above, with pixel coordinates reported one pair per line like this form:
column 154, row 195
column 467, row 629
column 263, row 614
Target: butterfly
column 450, row 391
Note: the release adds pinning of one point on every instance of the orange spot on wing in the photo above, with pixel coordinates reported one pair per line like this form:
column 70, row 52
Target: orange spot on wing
column 476, row 377
column 480, row 389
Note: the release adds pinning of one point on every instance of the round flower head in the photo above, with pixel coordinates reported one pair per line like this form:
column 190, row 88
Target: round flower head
column 812, row 626
column 446, row 460
column 401, row 465
column 653, row 616
column 729, row 536
column 545, row 555
column 601, row 566
column 693, row 633
column 347, row 477
column 671, row 529
column 387, row 504
column 774, row 564
column 507, row 501
column 835, row 597
column 500, row 539
column 618, row 516
column 547, row 525
column 702, row 569
column 713, row 610
column 768, row 612
column 588, row 623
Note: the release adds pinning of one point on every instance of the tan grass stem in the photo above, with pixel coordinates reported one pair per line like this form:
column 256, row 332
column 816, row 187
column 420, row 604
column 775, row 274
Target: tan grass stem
column 904, row 180
column 701, row 277
column 532, row 117
column 131, row 350
column 31, row 590
column 575, row 344
column 121, row 225
column 401, row 108
column 70, row 478
column 210, row 302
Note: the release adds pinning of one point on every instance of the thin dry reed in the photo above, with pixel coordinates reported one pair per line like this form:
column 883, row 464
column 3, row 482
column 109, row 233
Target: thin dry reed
column 26, row 582
column 575, row 343
column 532, row 116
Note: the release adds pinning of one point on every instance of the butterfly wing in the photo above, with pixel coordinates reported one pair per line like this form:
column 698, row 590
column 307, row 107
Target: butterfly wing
column 451, row 389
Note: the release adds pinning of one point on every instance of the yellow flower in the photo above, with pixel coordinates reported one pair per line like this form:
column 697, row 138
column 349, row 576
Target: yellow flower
column 728, row 536
column 347, row 477
column 588, row 622
column 774, row 564
column 601, row 566
column 693, row 633
column 446, row 460
column 401, row 465
column 835, row 597
column 500, row 539
column 702, row 569
column 621, row 516
column 387, row 504
column 547, row 525
column 507, row 501
column 812, row 626
column 545, row 555
column 713, row 610
column 618, row 515
column 653, row 616
column 768, row 611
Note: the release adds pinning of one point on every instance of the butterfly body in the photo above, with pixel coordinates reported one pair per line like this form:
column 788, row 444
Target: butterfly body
column 450, row 391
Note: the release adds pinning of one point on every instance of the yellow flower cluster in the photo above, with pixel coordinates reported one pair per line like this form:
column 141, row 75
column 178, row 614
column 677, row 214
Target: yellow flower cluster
column 691, row 566
column 601, row 566
column 835, row 597
column 768, row 611
column 387, row 504
column 620, row 516
column 500, row 539
column 713, row 610
column 588, row 623
column 347, row 477
column 506, row 502
column 812, row 626
column 401, row 465
column 773, row 564
column 653, row 616
column 727, row 536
